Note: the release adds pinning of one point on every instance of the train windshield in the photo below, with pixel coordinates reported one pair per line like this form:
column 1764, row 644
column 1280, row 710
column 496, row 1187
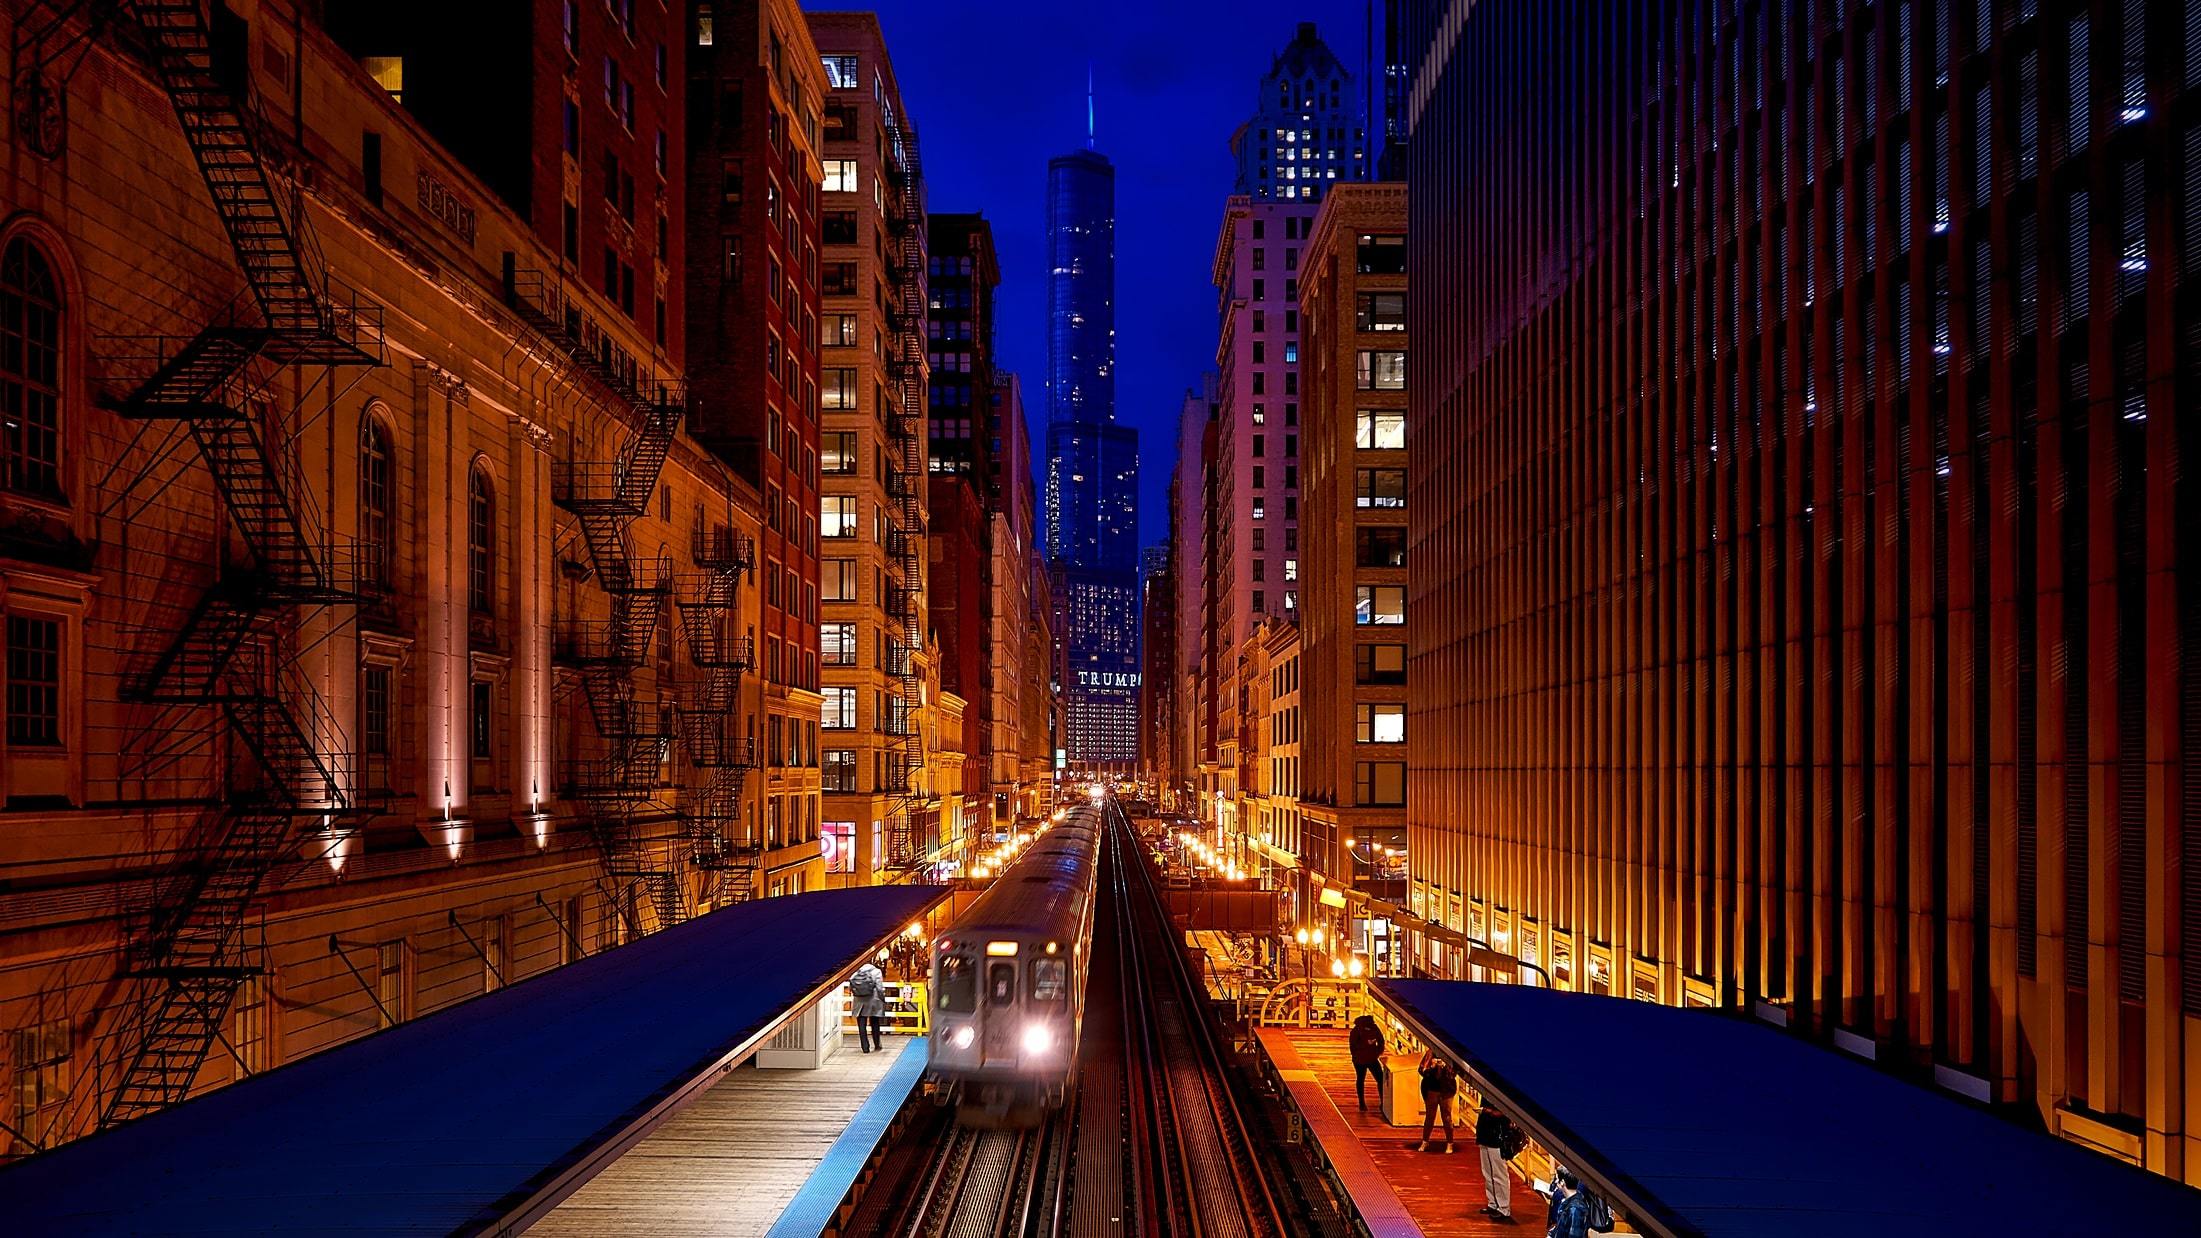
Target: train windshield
column 1001, row 984
column 1050, row 980
column 958, row 984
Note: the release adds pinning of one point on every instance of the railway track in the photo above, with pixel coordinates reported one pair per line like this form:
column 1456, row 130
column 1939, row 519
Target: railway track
column 1152, row 1140
column 1201, row 1175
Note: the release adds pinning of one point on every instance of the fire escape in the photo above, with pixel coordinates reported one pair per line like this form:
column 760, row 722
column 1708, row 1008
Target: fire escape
column 907, row 848
column 719, row 756
column 191, row 944
column 611, row 783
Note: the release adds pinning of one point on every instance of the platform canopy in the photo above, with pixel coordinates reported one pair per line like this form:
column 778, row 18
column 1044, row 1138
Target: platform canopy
column 475, row 1118
column 1699, row 1122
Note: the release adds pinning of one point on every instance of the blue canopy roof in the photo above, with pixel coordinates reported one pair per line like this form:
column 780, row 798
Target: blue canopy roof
column 455, row 1122
column 1702, row 1123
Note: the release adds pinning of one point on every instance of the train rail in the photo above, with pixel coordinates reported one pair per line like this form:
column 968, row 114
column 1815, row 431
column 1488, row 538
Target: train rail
column 1151, row 1141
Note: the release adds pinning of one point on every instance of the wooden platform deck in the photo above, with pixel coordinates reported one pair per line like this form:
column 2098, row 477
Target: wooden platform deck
column 1442, row 1194
column 730, row 1162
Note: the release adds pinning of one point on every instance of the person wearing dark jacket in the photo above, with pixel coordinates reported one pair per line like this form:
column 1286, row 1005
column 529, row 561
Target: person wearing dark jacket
column 1574, row 1211
column 1366, row 1043
column 1491, row 1129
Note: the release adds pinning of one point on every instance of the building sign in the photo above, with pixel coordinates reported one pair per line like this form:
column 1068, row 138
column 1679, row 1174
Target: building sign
column 1108, row 679
column 436, row 199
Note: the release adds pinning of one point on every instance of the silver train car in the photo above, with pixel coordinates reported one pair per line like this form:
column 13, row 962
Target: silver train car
column 1008, row 980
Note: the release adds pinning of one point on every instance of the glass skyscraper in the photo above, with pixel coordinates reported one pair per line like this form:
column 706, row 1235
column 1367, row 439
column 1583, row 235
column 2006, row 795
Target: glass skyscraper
column 1092, row 466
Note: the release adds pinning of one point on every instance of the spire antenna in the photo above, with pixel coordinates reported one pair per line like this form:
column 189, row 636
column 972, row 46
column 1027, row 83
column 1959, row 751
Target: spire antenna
column 1088, row 105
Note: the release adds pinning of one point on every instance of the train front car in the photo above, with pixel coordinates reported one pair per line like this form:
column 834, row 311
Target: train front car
column 1008, row 981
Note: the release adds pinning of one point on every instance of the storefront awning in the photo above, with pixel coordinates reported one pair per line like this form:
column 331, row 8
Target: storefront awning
column 1698, row 1122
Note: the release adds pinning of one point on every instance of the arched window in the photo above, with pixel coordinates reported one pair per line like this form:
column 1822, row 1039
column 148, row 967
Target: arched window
column 481, row 543
column 30, row 372
column 374, row 504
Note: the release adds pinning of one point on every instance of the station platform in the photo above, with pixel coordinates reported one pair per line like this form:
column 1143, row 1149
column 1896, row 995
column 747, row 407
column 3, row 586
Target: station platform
column 1396, row 1191
column 736, row 1158
column 487, row 1116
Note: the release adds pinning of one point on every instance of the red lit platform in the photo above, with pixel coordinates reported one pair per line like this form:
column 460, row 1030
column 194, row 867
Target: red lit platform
column 1396, row 1191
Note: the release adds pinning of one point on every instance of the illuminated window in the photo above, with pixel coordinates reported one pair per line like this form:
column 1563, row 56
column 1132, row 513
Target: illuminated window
column 1379, row 431
column 840, row 710
column 1379, row 604
column 840, row 176
column 837, row 644
column 1379, row 723
column 840, row 72
column 1380, row 369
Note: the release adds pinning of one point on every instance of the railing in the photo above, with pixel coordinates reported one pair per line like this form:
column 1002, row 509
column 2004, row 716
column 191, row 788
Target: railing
column 1315, row 1002
column 909, row 1009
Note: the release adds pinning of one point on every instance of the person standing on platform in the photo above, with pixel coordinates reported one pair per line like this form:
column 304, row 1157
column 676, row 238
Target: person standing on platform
column 1496, row 1142
column 869, row 989
column 1366, row 1043
column 1438, row 1086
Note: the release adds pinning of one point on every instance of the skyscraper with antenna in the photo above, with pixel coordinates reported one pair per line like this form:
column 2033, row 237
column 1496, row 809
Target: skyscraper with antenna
column 1092, row 462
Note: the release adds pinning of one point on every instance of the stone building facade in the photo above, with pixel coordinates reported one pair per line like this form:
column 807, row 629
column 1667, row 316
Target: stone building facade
column 368, row 609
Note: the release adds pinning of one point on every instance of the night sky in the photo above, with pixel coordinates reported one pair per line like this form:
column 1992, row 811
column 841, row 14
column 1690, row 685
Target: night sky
column 997, row 87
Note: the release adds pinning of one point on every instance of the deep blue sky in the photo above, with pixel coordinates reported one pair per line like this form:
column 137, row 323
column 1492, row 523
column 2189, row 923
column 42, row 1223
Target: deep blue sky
column 996, row 88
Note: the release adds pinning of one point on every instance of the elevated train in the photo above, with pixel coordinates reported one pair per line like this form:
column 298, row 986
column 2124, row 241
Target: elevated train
column 1008, row 980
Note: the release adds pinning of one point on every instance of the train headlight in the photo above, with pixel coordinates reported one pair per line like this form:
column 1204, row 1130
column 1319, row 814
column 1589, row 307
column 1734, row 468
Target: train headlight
column 963, row 1037
column 1038, row 1038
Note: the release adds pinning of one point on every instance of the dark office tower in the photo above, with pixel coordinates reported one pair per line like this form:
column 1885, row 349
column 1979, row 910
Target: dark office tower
column 1805, row 594
column 1093, row 494
column 569, row 112
column 1386, row 86
column 1092, row 468
column 1081, row 288
column 959, row 328
column 1307, row 132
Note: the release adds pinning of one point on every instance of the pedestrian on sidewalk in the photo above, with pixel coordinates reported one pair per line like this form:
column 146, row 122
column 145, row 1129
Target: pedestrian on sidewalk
column 1497, row 1140
column 868, row 987
column 1438, row 1086
column 1366, row 1043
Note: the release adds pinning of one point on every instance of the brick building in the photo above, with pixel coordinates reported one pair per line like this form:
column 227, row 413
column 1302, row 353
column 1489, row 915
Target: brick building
column 881, row 817
column 1814, row 623
column 1352, row 524
column 1019, row 755
column 752, row 299
column 962, row 483
column 368, row 611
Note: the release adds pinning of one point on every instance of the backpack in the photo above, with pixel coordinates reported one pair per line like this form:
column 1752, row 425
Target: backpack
column 863, row 986
column 1600, row 1214
column 1510, row 1141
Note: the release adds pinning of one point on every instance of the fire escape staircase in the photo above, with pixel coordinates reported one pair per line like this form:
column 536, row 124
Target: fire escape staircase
column 718, row 755
column 907, row 849
column 605, row 498
column 192, row 943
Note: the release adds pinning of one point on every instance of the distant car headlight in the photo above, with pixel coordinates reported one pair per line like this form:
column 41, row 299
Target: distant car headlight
column 1038, row 1038
column 963, row 1037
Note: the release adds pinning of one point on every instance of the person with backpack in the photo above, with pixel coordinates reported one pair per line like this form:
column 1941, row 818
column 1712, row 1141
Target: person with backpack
column 1438, row 1086
column 1575, row 1213
column 1497, row 1141
column 868, row 988
column 1366, row 1043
